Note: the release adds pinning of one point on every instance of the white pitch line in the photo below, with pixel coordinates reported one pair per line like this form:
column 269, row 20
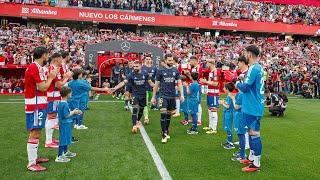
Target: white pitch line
column 155, row 156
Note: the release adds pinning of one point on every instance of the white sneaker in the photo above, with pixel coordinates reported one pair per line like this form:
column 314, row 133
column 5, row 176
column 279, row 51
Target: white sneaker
column 62, row 159
column 82, row 127
column 236, row 143
column 211, row 132
column 164, row 140
column 69, row 154
column 75, row 126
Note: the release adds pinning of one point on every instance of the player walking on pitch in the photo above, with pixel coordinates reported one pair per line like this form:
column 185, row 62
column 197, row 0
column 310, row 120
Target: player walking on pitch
column 137, row 82
column 165, row 80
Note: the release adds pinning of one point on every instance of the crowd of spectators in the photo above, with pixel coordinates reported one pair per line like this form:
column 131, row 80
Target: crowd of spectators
column 225, row 9
column 286, row 60
column 11, row 85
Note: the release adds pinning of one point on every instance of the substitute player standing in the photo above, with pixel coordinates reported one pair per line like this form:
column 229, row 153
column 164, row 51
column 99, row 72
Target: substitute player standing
column 165, row 80
column 253, row 106
column 36, row 85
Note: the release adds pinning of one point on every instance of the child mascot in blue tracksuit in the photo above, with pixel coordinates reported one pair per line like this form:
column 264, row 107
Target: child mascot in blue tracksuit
column 79, row 99
column 65, row 125
column 184, row 105
column 239, row 127
column 194, row 91
column 228, row 115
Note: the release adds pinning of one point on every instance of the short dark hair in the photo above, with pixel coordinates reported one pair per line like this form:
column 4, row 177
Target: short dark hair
column 76, row 73
column 136, row 62
column 243, row 59
column 38, row 52
column 65, row 91
column 56, row 55
column 64, row 54
column 168, row 55
column 194, row 76
column 229, row 86
column 254, row 50
column 79, row 61
column 148, row 55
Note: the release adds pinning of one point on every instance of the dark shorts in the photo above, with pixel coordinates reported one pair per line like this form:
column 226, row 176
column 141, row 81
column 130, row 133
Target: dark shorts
column 167, row 103
column 140, row 101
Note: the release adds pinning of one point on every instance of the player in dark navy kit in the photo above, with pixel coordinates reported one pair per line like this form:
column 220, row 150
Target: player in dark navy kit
column 137, row 82
column 151, row 71
column 166, row 78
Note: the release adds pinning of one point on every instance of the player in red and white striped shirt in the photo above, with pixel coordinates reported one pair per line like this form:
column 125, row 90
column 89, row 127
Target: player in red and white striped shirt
column 212, row 78
column 54, row 98
column 36, row 85
column 193, row 66
column 65, row 65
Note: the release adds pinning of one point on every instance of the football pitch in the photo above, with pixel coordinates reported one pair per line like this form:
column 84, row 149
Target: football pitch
column 108, row 150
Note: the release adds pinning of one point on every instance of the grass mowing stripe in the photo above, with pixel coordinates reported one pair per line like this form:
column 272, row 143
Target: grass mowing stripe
column 155, row 156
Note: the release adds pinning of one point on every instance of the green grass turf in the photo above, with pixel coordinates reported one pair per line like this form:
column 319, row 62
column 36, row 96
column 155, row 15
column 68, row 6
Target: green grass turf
column 109, row 151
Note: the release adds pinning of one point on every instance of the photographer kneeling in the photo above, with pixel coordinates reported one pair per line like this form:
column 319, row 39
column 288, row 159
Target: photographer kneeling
column 276, row 103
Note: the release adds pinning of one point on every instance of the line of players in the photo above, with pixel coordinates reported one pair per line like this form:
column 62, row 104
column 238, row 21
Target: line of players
column 167, row 78
column 44, row 89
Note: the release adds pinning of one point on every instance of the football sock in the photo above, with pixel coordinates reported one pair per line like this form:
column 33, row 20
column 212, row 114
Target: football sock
column 256, row 145
column 134, row 115
column 32, row 150
column 177, row 106
column 199, row 114
column 168, row 122
column 163, row 121
column 49, row 130
column 247, row 139
column 140, row 113
column 146, row 112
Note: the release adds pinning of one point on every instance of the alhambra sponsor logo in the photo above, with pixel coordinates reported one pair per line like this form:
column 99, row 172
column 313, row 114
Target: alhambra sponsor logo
column 225, row 24
column 26, row 10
